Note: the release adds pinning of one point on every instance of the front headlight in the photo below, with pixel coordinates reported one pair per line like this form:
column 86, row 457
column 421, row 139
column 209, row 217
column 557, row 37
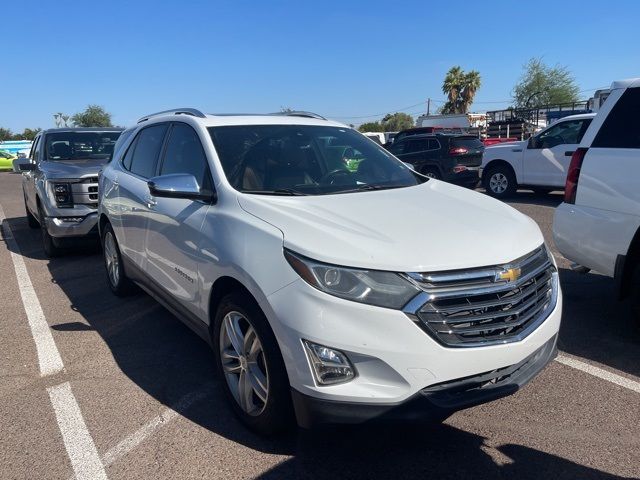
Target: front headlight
column 373, row 287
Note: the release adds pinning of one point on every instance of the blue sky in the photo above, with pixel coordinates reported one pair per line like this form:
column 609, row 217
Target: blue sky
column 341, row 59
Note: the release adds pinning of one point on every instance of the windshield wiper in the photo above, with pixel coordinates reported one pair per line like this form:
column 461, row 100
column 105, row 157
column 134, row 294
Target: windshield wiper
column 369, row 187
column 278, row 191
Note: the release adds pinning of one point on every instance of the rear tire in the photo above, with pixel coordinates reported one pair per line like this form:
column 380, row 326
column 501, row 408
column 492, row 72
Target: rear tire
column 117, row 279
column 500, row 181
column 431, row 172
column 31, row 220
column 49, row 244
column 250, row 365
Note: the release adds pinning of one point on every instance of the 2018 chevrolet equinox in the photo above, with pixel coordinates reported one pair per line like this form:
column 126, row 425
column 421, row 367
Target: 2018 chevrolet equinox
column 331, row 280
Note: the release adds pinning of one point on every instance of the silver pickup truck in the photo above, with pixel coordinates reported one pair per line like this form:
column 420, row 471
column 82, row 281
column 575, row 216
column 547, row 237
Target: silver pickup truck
column 60, row 182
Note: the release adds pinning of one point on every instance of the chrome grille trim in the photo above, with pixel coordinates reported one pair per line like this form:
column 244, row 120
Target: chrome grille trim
column 85, row 191
column 478, row 307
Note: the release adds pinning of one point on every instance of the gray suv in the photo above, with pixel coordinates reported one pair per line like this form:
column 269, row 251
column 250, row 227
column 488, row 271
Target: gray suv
column 60, row 182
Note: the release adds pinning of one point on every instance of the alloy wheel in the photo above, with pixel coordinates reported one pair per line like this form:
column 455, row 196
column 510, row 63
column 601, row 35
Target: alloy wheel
column 498, row 182
column 111, row 259
column 243, row 363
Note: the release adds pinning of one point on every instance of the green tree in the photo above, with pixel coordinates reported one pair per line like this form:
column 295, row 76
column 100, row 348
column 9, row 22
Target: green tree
column 394, row 122
column 461, row 88
column 27, row 134
column 543, row 85
column 371, row 127
column 5, row 134
column 93, row 116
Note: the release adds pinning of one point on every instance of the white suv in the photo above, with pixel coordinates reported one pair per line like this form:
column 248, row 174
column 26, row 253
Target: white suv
column 598, row 225
column 539, row 163
column 330, row 279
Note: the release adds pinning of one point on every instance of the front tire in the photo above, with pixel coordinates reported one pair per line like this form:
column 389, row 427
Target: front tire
column 31, row 220
column 49, row 244
column 117, row 279
column 500, row 181
column 250, row 365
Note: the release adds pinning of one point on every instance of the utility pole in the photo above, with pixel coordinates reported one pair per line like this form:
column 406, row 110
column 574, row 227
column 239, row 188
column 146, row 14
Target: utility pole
column 428, row 106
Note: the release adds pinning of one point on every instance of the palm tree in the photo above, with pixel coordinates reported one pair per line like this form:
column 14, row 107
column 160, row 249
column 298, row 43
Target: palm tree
column 452, row 86
column 460, row 88
column 471, row 84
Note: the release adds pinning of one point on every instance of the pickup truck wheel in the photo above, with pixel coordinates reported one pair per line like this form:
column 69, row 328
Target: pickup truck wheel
column 31, row 220
column 118, row 282
column 431, row 172
column 249, row 362
column 499, row 182
column 49, row 244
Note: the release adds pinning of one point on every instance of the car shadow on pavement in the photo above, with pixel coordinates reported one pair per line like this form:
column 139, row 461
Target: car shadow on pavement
column 169, row 362
column 595, row 325
column 528, row 197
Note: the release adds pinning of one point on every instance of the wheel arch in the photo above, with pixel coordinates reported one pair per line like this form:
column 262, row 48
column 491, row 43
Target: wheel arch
column 500, row 162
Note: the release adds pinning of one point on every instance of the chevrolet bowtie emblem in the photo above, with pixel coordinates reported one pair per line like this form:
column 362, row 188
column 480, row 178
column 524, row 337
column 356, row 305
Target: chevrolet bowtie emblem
column 509, row 275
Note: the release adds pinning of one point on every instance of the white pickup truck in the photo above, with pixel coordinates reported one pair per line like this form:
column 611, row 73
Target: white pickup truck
column 540, row 163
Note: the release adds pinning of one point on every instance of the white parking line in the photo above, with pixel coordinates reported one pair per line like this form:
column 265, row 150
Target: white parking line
column 48, row 354
column 136, row 438
column 77, row 439
column 599, row 372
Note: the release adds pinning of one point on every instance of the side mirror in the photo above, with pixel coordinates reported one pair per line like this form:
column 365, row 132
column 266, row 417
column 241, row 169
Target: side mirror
column 24, row 165
column 178, row 185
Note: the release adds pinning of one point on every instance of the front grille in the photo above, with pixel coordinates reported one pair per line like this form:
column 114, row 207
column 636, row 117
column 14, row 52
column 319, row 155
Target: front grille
column 85, row 192
column 477, row 307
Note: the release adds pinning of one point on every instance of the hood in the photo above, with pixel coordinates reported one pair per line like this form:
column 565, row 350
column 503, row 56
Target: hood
column 434, row 226
column 72, row 168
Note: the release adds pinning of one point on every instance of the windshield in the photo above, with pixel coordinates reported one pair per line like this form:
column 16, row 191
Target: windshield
column 305, row 159
column 80, row 145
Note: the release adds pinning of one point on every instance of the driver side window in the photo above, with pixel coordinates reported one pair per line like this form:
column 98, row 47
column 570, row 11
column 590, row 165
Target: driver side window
column 562, row 133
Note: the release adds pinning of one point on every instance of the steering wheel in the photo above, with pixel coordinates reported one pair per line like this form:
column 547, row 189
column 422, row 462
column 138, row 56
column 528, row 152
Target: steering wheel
column 330, row 177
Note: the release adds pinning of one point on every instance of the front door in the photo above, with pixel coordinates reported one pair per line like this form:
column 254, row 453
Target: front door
column 141, row 161
column 174, row 225
column 547, row 157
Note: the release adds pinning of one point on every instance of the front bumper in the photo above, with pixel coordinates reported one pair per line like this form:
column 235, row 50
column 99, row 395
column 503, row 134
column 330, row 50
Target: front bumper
column 58, row 228
column 434, row 403
column 394, row 358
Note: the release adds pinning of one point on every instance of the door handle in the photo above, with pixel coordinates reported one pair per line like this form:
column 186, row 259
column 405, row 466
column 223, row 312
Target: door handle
column 150, row 202
column 568, row 153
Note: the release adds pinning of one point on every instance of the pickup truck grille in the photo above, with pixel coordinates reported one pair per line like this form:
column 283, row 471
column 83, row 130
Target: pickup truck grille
column 85, row 192
column 486, row 306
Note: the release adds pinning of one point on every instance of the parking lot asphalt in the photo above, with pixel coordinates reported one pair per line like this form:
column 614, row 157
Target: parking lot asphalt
column 137, row 396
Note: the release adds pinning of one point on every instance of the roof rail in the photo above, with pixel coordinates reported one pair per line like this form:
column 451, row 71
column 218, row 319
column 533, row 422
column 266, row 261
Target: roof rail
column 176, row 111
column 300, row 113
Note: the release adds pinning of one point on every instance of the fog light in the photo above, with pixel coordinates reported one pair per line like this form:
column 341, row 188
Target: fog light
column 329, row 366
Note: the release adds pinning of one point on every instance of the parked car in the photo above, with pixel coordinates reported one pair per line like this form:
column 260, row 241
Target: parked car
column 539, row 163
column 60, row 182
column 6, row 160
column 452, row 158
column 344, row 295
column 377, row 137
column 598, row 224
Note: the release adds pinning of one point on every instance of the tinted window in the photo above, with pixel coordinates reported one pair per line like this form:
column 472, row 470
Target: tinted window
column 398, row 147
column 74, row 145
column 313, row 160
column 621, row 129
column 417, row 146
column 121, row 141
column 466, row 142
column 126, row 162
column 184, row 154
column 434, row 144
column 34, row 149
column 145, row 154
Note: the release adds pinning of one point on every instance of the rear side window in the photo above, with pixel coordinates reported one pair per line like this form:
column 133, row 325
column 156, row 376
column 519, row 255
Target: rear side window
column 184, row 154
column 416, row 146
column 147, row 149
column 621, row 128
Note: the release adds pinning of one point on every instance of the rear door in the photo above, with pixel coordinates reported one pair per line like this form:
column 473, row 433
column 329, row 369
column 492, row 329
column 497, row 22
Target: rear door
column 140, row 162
column 174, row 224
column 548, row 154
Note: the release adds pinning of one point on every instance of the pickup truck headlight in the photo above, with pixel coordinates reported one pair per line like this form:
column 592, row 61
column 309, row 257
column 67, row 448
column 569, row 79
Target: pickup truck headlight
column 62, row 194
column 373, row 287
